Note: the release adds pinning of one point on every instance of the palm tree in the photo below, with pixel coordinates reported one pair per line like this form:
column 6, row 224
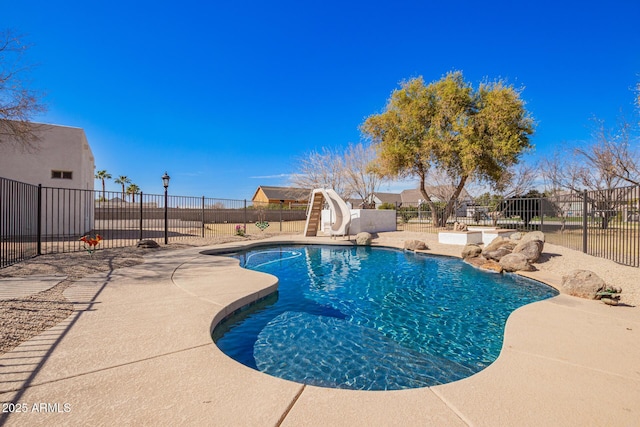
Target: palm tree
column 123, row 180
column 102, row 175
column 133, row 190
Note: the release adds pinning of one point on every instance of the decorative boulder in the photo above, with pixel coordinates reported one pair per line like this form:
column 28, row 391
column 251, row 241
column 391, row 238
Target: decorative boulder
column 458, row 226
column 363, row 239
column 471, row 251
column 484, row 264
column 477, row 261
column 515, row 262
column 495, row 244
column 531, row 249
column 148, row 244
column 534, row 235
column 583, row 284
column 492, row 266
column 516, row 236
column 415, row 245
column 498, row 253
column 499, row 247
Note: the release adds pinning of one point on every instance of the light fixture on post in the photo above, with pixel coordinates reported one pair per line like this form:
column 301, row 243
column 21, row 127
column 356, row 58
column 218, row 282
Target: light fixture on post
column 165, row 184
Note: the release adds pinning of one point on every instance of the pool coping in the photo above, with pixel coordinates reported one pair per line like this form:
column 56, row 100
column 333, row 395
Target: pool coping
column 565, row 360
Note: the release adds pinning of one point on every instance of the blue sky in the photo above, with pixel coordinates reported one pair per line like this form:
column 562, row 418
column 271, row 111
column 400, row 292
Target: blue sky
column 226, row 96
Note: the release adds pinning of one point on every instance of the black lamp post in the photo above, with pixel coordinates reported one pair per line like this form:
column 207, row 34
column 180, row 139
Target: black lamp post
column 165, row 184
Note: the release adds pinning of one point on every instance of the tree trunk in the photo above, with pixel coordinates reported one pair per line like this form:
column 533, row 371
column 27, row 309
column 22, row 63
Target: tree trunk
column 448, row 210
column 439, row 219
column 434, row 209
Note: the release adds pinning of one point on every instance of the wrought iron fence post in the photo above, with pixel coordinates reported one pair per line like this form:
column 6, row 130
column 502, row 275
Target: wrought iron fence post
column 166, row 217
column 245, row 214
column 584, row 221
column 203, row 216
column 141, row 212
column 281, row 203
column 396, row 211
column 39, row 221
column 541, row 212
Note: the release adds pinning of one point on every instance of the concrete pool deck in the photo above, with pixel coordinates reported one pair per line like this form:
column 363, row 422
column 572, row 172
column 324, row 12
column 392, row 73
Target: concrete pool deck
column 138, row 351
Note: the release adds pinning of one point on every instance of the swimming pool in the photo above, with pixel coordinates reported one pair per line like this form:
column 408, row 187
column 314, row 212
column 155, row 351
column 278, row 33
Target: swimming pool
column 373, row 318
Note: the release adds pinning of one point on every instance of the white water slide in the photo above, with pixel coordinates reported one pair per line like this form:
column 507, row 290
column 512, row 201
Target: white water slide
column 340, row 213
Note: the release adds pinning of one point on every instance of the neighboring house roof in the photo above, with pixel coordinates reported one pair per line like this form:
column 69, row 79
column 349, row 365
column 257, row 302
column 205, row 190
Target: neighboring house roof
column 389, row 197
column 437, row 193
column 283, row 193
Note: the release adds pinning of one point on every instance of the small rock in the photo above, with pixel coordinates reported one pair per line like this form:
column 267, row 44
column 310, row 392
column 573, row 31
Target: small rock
column 415, row 245
column 148, row 244
column 363, row 239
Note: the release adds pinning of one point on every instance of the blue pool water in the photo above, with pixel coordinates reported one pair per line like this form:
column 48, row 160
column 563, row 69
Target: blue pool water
column 373, row 318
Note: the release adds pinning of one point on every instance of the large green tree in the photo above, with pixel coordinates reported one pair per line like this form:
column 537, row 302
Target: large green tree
column 447, row 125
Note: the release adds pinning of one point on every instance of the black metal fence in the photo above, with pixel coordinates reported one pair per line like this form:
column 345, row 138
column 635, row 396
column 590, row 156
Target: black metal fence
column 19, row 206
column 38, row 220
column 601, row 223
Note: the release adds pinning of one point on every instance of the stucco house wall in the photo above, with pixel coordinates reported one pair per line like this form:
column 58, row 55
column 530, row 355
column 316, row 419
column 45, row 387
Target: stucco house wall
column 59, row 149
column 62, row 161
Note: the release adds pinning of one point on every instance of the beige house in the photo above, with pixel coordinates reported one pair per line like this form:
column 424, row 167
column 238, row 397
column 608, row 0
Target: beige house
column 62, row 162
column 61, row 158
column 288, row 196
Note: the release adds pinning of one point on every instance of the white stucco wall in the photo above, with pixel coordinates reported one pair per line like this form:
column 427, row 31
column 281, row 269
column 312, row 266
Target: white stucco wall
column 370, row 220
column 65, row 211
column 60, row 148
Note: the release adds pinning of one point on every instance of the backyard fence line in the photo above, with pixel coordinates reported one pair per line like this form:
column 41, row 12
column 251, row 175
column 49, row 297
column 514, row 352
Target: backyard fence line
column 19, row 209
column 603, row 223
column 36, row 220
